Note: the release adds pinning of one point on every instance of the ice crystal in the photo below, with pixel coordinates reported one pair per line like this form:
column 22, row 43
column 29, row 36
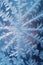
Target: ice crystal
column 21, row 32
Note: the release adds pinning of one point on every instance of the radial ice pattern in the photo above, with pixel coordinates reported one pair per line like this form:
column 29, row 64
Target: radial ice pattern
column 21, row 32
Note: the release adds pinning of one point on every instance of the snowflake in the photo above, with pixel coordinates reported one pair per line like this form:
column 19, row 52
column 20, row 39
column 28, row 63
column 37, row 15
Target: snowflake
column 21, row 32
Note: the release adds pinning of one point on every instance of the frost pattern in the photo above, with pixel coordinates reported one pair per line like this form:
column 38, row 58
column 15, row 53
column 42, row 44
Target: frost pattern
column 21, row 32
